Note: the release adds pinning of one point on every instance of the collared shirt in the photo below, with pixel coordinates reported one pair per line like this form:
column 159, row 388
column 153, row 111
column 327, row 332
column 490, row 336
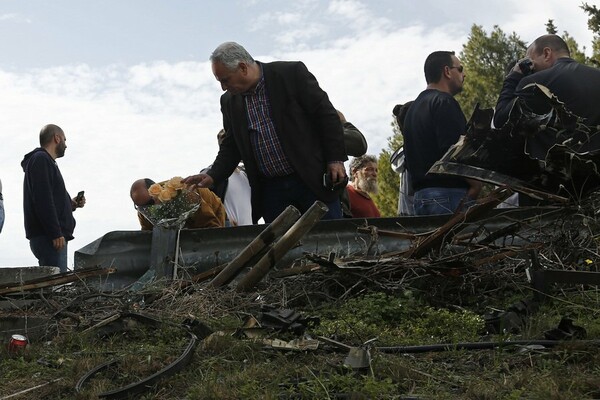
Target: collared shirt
column 267, row 148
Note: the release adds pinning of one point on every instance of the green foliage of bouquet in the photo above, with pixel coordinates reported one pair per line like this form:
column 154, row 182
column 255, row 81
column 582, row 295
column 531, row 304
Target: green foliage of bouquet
column 174, row 204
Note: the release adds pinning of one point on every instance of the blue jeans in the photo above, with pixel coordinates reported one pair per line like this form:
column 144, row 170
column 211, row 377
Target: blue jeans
column 441, row 200
column 280, row 192
column 47, row 255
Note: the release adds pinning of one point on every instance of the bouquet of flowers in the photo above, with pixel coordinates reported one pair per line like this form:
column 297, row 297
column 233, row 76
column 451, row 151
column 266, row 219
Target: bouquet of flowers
column 173, row 204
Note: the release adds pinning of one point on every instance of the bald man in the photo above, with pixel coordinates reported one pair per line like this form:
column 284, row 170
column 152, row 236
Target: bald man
column 575, row 84
column 211, row 213
column 47, row 206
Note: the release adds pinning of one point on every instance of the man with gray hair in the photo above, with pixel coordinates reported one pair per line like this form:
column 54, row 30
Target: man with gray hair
column 284, row 128
column 363, row 171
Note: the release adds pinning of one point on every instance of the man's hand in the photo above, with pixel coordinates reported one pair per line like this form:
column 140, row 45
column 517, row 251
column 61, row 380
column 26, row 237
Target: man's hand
column 77, row 203
column 524, row 66
column 474, row 188
column 58, row 243
column 337, row 172
column 200, row 180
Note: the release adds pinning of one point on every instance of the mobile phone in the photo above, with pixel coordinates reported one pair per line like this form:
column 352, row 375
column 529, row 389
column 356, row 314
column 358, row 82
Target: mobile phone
column 327, row 181
column 79, row 196
column 330, row 185
column 526, row 66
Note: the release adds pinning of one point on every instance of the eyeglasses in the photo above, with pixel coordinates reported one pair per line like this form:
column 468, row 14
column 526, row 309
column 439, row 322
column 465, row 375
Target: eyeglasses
column 460, row 68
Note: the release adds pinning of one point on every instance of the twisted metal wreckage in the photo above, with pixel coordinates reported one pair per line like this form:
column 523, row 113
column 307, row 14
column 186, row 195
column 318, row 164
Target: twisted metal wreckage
column 543, row 151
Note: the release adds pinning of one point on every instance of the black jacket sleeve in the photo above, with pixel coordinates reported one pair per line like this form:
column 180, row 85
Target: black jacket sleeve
column 507, row 97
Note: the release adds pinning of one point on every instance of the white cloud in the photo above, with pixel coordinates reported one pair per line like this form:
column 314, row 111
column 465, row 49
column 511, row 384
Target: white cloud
column 158, row 119
column 14, row 17
column 119, row 127
column 358, row 16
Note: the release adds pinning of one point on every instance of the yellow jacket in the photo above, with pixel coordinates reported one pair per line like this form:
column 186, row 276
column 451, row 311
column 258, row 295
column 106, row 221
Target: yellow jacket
column 211, row 213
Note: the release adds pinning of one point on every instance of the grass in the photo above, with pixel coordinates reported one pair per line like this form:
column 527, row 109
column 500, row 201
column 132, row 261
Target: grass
column 229, row 367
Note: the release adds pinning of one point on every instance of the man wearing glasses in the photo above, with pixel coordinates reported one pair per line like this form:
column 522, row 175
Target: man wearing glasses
column 433, row 123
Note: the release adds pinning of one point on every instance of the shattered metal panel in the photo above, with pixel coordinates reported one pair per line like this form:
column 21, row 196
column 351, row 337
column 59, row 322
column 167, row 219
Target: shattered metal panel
column 543, row 150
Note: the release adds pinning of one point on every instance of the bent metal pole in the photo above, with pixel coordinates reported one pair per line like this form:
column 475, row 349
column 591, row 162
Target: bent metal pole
column 275, row 229
column 283, row 245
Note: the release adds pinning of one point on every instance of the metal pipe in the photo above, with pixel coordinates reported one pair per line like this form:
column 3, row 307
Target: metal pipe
column 283, row 245
column 477, row 345
column 275, row 229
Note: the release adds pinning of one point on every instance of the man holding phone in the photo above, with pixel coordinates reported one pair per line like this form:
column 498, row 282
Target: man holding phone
column 548, row 62
column 47, row 206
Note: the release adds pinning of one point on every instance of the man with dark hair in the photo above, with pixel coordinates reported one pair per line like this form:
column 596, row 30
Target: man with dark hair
column 284, row 128
column 48, row 208
column 363, row 171
column 433, row 123
column 550, row 64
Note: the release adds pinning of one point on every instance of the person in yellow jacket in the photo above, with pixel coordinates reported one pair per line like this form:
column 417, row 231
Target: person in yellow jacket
column 210, row 214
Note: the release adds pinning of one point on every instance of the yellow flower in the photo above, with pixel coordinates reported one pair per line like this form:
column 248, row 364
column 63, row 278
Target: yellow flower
column 588, row 261
column 155, row 190
column 175, row 183
column 167, row 194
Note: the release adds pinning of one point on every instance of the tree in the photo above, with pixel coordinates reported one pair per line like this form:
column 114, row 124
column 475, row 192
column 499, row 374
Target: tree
column 594, row 26
column 594, row 19
column 486, row 59
column 387, row 179
column 550, row 27
column 576, row 54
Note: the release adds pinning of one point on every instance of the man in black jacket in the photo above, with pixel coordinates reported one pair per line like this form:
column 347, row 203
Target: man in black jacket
column 284, row 128
column 576, row 85
column 48, row 208
column 433, row 123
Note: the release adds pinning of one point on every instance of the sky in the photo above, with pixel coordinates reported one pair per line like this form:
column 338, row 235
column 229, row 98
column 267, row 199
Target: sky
column 130, row 83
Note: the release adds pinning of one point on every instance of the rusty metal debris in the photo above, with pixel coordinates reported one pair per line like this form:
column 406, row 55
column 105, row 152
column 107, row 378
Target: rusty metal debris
column 452, row 227
column 543, row 151
column 55, row 280
column 145, row 384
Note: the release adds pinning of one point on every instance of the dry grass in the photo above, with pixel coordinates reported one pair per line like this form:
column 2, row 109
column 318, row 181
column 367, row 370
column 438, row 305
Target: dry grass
column 400, row 301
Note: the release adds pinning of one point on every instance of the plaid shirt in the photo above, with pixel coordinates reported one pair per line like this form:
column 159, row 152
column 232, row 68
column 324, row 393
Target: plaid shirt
column 265, row 143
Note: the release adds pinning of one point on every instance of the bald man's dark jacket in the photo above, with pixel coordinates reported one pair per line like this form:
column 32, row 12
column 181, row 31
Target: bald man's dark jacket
column 47, row 206
column 575, row 84
column 307, row 126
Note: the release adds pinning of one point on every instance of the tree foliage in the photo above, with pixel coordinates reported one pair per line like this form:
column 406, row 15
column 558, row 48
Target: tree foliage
column 576, row 54
column 594, row 17
column 388, row 180
column 594, row 26
column 551, row 28
column 485, row 58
